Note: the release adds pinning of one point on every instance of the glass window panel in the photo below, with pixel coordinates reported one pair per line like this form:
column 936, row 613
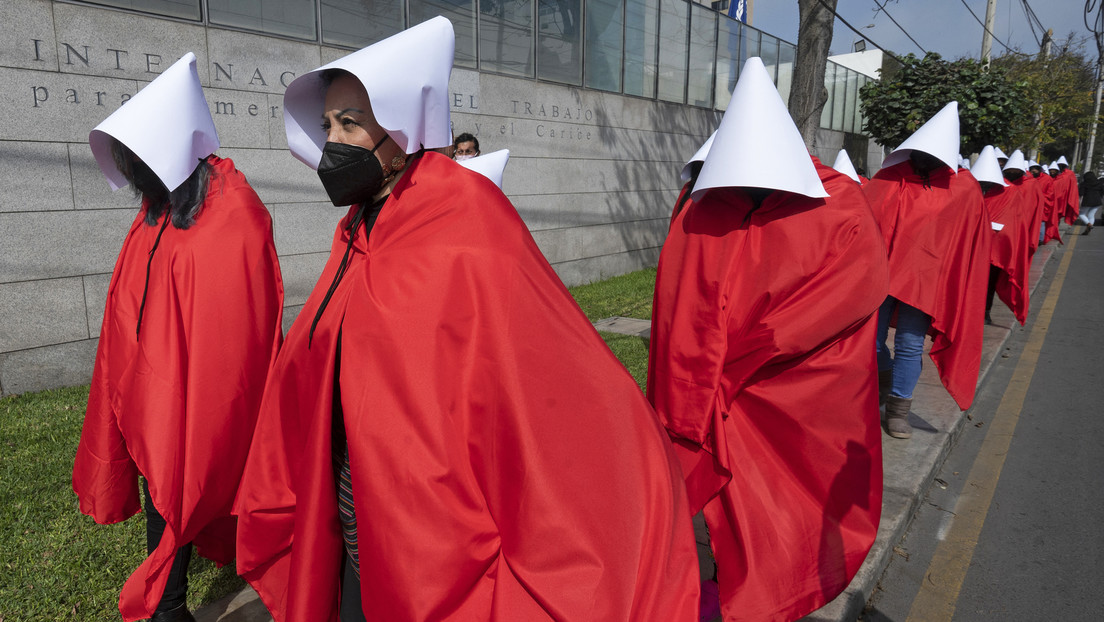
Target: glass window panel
column 462, row 15
column 604, row 48
column 730, row 33
column 290, row 18
column 506, row 36
column 559, row 46
column 641, row 52
column 357, row 23
column 768, row 51
column 186, row 9
column 674, row 25
column 786, row 54
column 703, row 46
column 840, row 89
column 830, row 85
column 852, row 97
column 751, row 44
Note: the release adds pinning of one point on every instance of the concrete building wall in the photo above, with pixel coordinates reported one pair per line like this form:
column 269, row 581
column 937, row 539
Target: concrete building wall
column 593, row 174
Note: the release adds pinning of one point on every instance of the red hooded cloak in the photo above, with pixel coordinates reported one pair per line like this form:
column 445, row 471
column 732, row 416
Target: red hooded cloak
column 1009, row 251
column 762, row 369
column 178, row 403
column 938, row 238
column 505, row 466
column 1053, row 207
column 1068, row 197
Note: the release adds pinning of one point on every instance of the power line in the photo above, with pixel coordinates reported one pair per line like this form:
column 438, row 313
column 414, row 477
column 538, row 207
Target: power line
column 864, row 37
column 991, row 34
column 1032, row 21
column 883, row 9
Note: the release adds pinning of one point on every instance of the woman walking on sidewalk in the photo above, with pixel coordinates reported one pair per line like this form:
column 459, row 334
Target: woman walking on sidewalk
column 1091, row 193
column 937, row 234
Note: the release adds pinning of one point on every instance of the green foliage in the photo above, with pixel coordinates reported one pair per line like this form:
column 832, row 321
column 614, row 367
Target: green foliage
column 1060, row 91
column 628, row 295
column 991, row 104
column 55, row 563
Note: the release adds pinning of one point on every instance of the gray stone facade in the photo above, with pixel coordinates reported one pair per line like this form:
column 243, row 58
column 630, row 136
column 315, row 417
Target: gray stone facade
column 593, row 174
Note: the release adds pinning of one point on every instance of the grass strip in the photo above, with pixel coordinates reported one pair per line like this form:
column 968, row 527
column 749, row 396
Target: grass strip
column 57, row 565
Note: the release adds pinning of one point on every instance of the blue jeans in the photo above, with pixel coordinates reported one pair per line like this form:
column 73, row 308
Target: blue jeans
column 908, row 345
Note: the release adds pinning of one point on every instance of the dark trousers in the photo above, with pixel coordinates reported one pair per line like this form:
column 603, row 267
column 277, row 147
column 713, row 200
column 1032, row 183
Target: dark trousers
column 351, row 608
column 176, row 590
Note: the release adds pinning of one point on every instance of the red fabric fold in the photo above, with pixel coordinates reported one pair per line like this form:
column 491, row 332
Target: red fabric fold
column 178, row 402
column 1067, row 195
column 938, row 236
column 762, row 368
column 505, row 466
column 1009, row 253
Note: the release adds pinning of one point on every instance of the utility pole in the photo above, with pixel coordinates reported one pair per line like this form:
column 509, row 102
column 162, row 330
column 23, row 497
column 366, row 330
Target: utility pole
column 1096, row 114
column 1044, row 55
column 987, row 36
column 1097, row 29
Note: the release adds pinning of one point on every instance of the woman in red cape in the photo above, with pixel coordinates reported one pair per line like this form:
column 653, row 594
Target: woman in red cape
column 191, row 325
column 937, row 234
column 1009, row 208
column 445, row 436
column 761, row 369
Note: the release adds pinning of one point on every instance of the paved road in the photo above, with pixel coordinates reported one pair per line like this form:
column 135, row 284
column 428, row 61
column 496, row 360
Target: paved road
column 1014, row 527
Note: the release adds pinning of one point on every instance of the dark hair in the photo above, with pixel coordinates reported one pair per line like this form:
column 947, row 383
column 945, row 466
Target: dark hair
column 466, row 138
column 183, row 204
column 328, row 76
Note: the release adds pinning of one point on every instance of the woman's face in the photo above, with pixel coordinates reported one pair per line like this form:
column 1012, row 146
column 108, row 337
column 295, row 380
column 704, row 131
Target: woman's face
column 347, row 118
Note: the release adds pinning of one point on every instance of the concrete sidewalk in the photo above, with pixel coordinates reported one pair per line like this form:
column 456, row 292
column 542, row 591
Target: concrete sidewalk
column 909, row 466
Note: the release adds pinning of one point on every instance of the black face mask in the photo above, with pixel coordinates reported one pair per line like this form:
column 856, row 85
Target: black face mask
column 349, row 173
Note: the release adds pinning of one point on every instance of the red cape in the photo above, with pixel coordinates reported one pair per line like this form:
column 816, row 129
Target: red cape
column 178, row 403
column 938, row 239
column 505, row 466
column 1053, row 207
column 1009, row 253
column 1067, row 195
column 762, row 368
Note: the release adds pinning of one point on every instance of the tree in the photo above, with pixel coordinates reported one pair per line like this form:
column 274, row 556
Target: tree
column 992, row 106
column 807, row 92
column 1060, row 90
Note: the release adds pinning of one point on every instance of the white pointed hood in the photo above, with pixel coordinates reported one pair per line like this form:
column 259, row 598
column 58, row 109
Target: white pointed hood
column 1053, row 166
column 939, row 137
column 986, row 168
column 167, row 124
column 406, row 76
column 1000, row 154
column 757, row 144
column 489, row 165
column 1062, row 160
column 1031, row 163
column 843, row 164
column 699, row 156
column 1016, row 161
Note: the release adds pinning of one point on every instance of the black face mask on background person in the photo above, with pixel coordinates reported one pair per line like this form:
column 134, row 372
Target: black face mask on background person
column 350, row 173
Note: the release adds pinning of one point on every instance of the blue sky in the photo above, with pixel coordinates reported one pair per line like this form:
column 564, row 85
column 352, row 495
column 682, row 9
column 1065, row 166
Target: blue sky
column 943, row 26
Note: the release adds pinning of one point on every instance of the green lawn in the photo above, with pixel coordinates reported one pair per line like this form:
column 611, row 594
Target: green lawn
column 58, row 565
column 55, row 563
column 628, row 295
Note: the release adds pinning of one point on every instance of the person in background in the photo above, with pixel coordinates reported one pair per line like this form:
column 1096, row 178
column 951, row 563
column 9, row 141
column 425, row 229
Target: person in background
column 190, row 327
column 937, row 234
column 445, row 435
column 1091, row 192
column 1009, row 258
column 760, row 364
column 465, row 146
